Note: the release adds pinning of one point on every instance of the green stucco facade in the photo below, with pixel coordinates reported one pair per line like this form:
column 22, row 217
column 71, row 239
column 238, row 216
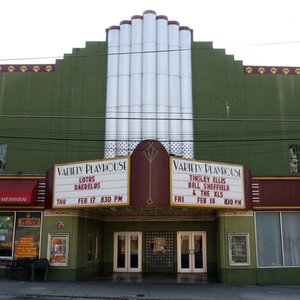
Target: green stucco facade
column 243, row 225
column 243, row 118
column 79, row 229
column 49, row 118
column 60, row 116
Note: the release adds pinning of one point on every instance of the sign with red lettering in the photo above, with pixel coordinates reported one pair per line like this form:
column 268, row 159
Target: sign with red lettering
column 206, row 184
column 92, row 183
column 29, row 222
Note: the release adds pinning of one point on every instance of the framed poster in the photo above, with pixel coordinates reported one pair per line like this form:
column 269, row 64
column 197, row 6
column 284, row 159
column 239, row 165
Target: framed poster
column 159, row 244
column 58, row 249
column 239, row 252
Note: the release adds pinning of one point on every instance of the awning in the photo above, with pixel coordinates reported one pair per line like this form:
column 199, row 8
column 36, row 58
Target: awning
column 18, row 192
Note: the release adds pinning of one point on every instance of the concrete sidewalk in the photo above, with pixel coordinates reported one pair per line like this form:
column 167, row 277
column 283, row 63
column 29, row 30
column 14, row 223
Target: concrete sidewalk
column 144, row 290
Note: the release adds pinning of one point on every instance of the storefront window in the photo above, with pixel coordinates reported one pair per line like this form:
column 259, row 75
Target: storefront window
column 268, row 239
column 291, row 238
column 20, row 234
column 6, row 234
column 274, row 248
column 27, row 238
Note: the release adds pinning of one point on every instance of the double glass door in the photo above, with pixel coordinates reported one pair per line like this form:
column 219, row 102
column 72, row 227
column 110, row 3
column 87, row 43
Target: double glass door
column 127, row 251
column 191, row 252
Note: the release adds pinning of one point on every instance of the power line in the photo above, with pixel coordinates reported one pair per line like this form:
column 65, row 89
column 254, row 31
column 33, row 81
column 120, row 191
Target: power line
column 265, row 44
column 138, row 140
column 74, row 55
column 151, row 118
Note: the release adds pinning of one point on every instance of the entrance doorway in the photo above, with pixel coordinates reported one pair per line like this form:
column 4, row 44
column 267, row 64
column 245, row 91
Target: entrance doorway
column 191, row 252
column 127, row 252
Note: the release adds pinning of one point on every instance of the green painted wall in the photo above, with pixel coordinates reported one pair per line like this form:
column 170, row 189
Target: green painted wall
column 227, row 106
column 55, row 117
column 67, row 109
column 88, row 228
column 70, row 227
column 278, row 276
column 79, row 229
column 236, row 274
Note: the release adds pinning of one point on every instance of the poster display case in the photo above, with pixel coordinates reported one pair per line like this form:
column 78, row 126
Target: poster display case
column 239, row 252
column 58, row 249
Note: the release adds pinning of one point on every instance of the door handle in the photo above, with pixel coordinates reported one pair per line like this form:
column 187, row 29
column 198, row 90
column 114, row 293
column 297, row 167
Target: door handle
column 191, row 251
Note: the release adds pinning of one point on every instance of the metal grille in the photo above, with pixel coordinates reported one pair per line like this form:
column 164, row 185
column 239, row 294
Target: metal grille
column 3, row 153
column 181, row 149
column 187, row 149
column 41, row 191
column 294, row 152
column 159, row 249
column 110, row 150
column 255, row 192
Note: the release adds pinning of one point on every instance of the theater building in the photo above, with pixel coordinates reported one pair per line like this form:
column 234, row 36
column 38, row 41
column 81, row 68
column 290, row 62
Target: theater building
column 151, row 153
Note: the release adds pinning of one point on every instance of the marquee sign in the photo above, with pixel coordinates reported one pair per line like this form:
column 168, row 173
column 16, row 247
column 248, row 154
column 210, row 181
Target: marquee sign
column 206, row 184
column 92, row 183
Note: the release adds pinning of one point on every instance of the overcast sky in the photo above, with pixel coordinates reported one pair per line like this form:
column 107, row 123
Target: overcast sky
column 258, row 32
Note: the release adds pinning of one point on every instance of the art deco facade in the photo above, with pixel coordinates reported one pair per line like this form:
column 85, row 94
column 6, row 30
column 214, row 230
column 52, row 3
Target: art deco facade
column 177, row 157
